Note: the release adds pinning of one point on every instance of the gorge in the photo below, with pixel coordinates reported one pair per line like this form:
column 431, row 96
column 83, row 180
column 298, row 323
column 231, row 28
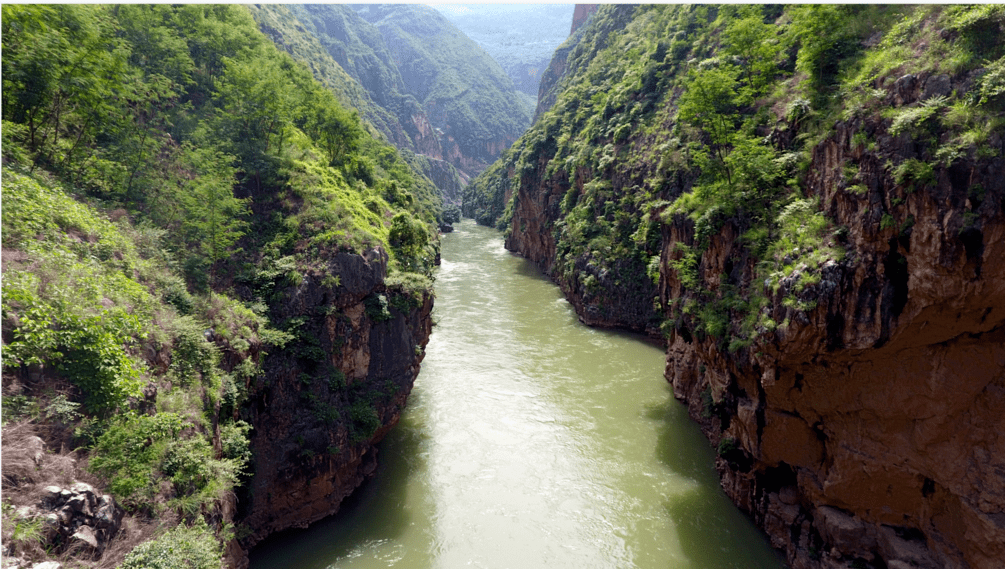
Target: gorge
column 531, row 440
column 220, row 246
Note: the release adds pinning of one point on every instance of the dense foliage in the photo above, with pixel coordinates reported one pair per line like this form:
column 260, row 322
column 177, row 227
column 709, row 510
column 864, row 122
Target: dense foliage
column 463, row 90
column 167, row 173
column 701, row 116
column 178, row 548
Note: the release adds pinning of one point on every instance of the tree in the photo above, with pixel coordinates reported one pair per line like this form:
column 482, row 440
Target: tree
column 335, row 129
column 756, row 44
column 63, row 68
column 213, row 215
column 710, row 103
column 408, row 237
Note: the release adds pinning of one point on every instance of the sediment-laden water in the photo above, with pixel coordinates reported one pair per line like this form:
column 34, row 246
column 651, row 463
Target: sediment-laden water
column 530, row 441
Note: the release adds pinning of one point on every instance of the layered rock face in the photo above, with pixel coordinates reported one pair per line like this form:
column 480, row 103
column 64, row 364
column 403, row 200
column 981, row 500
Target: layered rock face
column 868, row 429
column 329, row 400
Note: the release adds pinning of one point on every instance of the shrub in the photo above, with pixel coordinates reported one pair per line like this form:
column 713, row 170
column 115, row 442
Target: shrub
column 913, row 119
column 365, row 421
column 129, row 453
column 137, row 453
column 89, row 350
column 193, row 359
column 187, row 462
column 376, row 308
column 179, row 548
column 916, row 171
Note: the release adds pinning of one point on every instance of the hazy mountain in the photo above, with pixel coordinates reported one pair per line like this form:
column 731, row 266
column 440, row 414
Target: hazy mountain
column 521, row 37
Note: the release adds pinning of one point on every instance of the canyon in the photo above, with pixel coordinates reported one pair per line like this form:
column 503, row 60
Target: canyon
column 218, row 285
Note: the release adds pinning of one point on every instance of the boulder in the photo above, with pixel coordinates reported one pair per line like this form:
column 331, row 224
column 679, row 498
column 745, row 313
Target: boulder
column 85, row 535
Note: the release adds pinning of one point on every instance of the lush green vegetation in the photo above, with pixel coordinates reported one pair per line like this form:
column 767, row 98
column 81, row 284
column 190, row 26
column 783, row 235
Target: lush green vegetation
column 179, row 548
column 293, row 28
column 462, row 89
column 702, row 117
column 168, row 173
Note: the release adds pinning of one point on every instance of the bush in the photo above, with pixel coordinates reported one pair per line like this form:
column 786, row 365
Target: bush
column 87, row 349
column 129, row 453
column 179, row 548
column 187, row 462
column 236, row 447
column 193, row 359
column 365, row 421
column 376, row 308
column 137, row 453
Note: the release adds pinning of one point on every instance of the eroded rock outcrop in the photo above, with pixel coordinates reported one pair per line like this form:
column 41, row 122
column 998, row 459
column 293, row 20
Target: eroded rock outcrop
column 868, row 428
column 331, row 397
column 614, row 295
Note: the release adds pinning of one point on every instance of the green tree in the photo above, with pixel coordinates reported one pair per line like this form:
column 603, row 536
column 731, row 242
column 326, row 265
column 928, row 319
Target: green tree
column 408, row 237
column 710, row 103
column 213, row 219
column 757, row 45
column 336, row 129
column 63, row 68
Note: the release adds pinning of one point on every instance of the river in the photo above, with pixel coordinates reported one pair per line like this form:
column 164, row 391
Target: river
column 530, row 441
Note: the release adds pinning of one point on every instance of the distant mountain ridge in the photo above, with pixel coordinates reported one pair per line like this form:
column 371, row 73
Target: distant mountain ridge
column 522, row 38
column 424, row 84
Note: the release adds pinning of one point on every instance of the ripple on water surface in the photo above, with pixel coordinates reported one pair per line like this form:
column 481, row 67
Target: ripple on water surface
column 530, row 441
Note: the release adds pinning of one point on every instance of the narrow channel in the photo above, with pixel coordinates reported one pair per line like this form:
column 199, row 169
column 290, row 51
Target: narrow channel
column 530, row 441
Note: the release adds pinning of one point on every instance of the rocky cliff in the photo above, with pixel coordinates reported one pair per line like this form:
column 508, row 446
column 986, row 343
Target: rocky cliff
column 866, row 428
column 830, row 282
column 325, row 403
column 612, row 291
column 581, row 13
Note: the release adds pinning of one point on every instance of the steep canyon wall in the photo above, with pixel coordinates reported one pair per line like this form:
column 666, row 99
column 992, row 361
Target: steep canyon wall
column 858, row 421
column 329, row 400
column 867, row 427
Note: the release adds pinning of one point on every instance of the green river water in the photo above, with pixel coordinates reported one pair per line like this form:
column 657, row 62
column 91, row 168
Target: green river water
column 530, row 441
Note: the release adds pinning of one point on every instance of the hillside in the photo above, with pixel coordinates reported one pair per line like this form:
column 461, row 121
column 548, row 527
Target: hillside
column 520, row 37
column 198, row 239
column 805, row 203
column 462, row 89
column 426, row 86
column 398, row 118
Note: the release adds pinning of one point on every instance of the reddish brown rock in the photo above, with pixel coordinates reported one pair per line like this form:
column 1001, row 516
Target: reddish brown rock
column 882, row 404
column 580, row 15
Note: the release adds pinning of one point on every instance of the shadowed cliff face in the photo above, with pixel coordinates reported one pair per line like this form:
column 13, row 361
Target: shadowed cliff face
column 869, row 427
column 330, row 399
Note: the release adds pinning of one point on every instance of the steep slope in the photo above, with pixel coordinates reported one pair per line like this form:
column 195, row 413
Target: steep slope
column 463, row 90
column 825, row 189
column 521, row 38
column 428, row 88
column 197, row 240
column 295, row 30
